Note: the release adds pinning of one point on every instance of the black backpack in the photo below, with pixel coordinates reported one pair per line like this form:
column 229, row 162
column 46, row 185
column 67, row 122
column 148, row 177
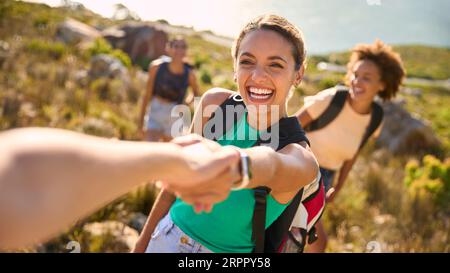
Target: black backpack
column 290, row 131
column 335, row 107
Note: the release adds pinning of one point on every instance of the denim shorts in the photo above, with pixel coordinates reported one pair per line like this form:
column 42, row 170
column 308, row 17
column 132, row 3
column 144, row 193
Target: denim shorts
column 328, row 176
column 168, row 238
column 159, row 116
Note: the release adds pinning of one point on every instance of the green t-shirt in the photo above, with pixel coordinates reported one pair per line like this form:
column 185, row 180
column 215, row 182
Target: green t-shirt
column 228, row 227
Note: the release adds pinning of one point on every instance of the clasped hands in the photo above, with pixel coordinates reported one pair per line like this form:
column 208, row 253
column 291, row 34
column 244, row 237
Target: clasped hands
column 205, row 174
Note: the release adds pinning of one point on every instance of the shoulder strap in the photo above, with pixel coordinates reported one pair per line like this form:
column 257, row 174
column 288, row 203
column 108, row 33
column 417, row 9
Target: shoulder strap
column 331, row 112
column 290, row 131
column 275, row 234
column 259, row 218
column 228, row 112
column 375, row 120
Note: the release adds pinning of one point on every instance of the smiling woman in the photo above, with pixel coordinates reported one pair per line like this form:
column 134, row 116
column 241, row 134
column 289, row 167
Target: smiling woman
column 265, row 73
column 374, row 70
column 268, row 60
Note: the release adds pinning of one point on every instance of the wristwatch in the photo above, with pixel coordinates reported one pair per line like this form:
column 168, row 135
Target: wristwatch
column 244, row 168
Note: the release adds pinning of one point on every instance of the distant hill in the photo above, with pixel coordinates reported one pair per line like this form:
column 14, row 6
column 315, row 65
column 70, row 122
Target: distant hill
column 39, row 20
column 420, row 61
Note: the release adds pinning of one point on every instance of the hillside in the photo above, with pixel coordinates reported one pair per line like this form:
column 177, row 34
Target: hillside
column 400, row 201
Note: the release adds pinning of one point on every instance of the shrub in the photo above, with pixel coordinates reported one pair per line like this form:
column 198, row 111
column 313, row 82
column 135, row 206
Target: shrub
column 47, row 48
column 101, row 46
column 199, row 60
column 430, row 181
column 205, row 77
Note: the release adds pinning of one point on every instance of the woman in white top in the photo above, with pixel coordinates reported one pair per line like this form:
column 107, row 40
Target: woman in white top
column 374, row 69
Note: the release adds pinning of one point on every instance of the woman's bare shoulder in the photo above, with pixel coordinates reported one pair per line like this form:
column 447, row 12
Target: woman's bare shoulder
column 215, row 96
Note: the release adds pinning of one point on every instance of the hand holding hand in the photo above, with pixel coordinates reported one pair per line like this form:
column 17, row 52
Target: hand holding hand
column 213, row 169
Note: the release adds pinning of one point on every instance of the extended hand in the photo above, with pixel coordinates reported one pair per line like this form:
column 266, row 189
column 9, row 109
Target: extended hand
column 330, row 195
column 213, row 168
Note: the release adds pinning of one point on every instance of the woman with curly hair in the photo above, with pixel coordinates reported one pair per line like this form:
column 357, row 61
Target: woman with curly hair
column 373, row 70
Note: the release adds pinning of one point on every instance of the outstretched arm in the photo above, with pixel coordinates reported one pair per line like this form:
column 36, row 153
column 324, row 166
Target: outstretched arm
column 49, row 178
column 285, row 171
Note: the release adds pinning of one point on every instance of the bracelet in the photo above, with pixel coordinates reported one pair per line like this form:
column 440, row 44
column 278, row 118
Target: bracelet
column 244, row 168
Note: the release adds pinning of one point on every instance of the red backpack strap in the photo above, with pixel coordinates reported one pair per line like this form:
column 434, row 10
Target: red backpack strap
column 315, row 206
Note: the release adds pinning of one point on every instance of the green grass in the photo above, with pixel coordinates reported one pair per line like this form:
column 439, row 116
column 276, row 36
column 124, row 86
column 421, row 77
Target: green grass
column 432, row 106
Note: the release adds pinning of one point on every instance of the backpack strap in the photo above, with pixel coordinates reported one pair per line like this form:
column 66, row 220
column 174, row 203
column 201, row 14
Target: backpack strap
column 290, row 131
column 331, row 112
column 335, row 107
column 259, row 218
column 268, row 240
column 275, row 234
column 299, row 242
column 313, row 207
column 232, row 105
column 375, row 120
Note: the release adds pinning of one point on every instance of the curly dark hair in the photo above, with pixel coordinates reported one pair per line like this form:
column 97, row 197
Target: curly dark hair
column 388, row 62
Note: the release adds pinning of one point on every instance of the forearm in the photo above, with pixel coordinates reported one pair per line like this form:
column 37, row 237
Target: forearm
column 196, row 91
column 283, row 172
column 53, row 178
column 148, row 96
column 343, row 174
column 144, row 105
column 160, row 208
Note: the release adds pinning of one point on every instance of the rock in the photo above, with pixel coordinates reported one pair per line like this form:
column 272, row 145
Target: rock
column 27, row 110
column 104, row 65
column 404, row 134
column 141, row 41
column 81, row 77
column 73, row 31
column 121, row 233
column 383, row 219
